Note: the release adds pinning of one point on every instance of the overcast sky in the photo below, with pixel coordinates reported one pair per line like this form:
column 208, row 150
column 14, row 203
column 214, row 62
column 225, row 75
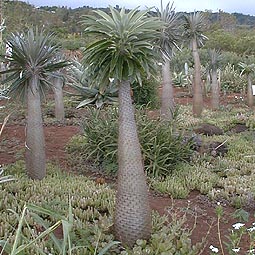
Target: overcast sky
column 244, row 6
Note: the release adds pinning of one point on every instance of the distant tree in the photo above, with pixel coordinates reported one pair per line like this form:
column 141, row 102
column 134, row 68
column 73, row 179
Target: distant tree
column 227, row 21
column 215, row 58
column 248, row 70
column 193, row 32
column 58, row 84
column 220, row 40
column 169, row 39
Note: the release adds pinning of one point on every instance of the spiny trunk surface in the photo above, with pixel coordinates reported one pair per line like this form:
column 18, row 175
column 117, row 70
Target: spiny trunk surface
column 59, row 101
column 197, row 88
column 132, row 213
column 215, row 91
column 35, row 144
column 167, row 98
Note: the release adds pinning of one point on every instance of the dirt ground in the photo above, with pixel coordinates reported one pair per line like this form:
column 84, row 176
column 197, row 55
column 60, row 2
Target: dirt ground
column 199, row 209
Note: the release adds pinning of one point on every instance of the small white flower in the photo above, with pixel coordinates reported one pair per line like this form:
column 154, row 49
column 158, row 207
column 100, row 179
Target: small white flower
column 218, row 203
column 214, row 249
column 236, row 249
column 111, row 79
column 238, row 225
column 160, row 64
column 251, row 229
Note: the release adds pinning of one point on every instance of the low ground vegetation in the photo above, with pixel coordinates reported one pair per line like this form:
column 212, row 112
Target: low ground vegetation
column 226, row 179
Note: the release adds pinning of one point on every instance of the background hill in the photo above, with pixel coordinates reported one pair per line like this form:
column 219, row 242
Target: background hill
column 228, row 32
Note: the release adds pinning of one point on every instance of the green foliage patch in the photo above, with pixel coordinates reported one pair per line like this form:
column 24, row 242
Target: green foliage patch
column 186, row 178
column 162, row 147
column 147, row 94
column 92, row 214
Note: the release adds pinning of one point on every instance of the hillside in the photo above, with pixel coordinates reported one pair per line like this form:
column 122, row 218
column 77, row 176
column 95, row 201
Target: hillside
column 19, row 14
column 65, row 23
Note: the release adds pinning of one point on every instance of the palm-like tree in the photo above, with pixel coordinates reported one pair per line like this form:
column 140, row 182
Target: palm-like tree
column 193, row 32
column 170, row 36
column 248, row 70
column 215, row 58
column 30, row 65
column 124, row 51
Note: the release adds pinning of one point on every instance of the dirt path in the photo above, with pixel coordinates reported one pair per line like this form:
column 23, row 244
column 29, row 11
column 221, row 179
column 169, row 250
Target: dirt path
column 56, row 137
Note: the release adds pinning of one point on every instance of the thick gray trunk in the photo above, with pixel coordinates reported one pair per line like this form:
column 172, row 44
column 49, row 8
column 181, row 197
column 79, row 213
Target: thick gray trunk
column 215, row 91
column 3, row 68
column 197, row 87
column 132, row 214
column 167, row 98
column 35, row 144
column 249, row 92
column 59, row 101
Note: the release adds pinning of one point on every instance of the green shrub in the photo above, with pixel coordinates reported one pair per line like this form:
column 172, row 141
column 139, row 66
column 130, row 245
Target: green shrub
column 72, row 44
column 5, row 178
column 167, row 238
column 147, row 94
column 181, row 80
column 162, row 148
column 92, row 206
column 231, row 81
column 27, row 242
column 186, row 178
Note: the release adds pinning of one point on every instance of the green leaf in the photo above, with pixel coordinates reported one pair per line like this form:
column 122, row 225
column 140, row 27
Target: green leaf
column 6, row 246
column 39, row 237
column 107, row 247
column 241, row 215
column 86, row 102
